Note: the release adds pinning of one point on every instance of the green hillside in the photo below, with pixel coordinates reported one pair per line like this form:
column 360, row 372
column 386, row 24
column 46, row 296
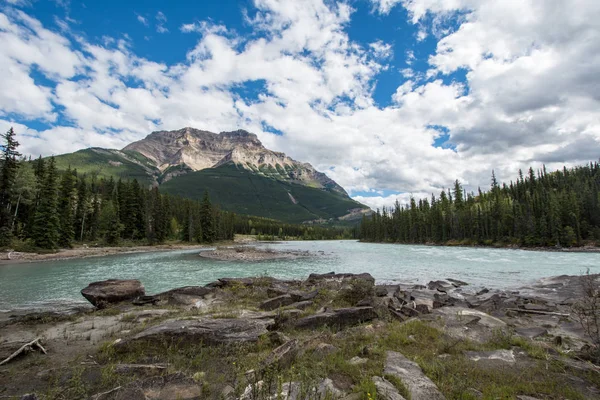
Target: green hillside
column 244, row 192
column 107, row 163
column 260, row 193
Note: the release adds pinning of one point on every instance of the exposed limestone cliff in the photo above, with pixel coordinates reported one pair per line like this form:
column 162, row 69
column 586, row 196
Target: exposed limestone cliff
column 197, row 150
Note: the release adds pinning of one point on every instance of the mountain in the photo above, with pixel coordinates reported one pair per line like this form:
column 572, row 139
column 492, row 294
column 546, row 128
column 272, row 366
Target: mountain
column 240, row 174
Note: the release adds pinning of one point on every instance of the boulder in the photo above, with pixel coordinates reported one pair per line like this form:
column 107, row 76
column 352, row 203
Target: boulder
column 324, row 349
column 277, row 302
column 111, row 291
column 531, row 332
column 456, row 282
column 386, row 390
column 340, row 318
column 419, row 386
column 283, row 356
column 441, row 286
column 202, row 330
column 381, row 291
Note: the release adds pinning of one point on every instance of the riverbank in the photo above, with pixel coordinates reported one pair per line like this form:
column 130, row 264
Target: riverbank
column 330, row 336
column 85, row 251
column 581, row 249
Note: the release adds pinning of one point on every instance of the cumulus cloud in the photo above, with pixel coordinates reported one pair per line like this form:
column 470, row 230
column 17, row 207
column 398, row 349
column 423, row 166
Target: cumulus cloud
column 530, row 95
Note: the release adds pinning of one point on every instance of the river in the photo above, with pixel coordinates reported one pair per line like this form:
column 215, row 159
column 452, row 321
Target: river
column 56, row 284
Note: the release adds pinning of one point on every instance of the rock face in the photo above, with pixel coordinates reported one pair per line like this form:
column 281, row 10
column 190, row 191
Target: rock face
column 409, row 372
column 198, row 150
column 103, row 293
column 203, row 330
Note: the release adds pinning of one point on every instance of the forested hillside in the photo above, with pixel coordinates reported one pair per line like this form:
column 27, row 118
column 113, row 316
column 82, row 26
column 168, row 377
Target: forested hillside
column 44, row 208
column 560, row 208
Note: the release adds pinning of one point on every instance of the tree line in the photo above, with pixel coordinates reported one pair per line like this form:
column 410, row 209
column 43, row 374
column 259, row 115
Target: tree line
column 44, row 208
column 560, row 208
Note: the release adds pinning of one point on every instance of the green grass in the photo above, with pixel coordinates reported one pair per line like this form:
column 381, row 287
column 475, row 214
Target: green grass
column 244, row 192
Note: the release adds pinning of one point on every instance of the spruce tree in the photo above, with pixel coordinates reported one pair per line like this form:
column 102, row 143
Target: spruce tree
column 207, row 220
column 66, row 208
column 8, row 170
column 46, row 222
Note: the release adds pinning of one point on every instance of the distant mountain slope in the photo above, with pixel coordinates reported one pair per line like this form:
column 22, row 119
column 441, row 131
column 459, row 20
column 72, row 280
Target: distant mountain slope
column 239, row 173
column 243, row 191
column 108, row 162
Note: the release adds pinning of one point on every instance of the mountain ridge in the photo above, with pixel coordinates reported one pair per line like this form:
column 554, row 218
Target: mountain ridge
column 240, row 174
column 198, row 150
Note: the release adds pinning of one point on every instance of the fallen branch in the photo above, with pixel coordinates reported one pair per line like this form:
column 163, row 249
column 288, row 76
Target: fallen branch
column 24, row 349
column 538, row 312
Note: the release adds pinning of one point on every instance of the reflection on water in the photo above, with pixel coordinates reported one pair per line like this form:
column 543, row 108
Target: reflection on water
column 57, row 283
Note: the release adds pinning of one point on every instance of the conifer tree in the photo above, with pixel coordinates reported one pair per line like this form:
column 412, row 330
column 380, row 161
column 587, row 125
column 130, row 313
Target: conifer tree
column 66, row 202
column 46, row 221
column 207, row 220
column 8, row 171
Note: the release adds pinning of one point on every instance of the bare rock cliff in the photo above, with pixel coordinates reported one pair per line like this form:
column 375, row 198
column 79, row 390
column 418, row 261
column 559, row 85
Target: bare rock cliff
column 197, row 150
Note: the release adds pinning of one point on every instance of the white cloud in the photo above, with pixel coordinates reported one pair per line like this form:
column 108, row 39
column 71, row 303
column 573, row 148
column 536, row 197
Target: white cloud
column 531, row 93
column 161, row 20
column 142, row 20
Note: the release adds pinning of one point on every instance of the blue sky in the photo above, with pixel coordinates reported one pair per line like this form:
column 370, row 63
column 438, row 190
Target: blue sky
column 391, row 98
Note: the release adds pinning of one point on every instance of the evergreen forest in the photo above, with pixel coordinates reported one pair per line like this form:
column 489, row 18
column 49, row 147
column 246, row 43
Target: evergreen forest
column 542, row 209
column 44, row 208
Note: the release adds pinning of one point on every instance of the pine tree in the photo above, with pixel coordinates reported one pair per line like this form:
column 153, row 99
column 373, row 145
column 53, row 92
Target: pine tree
column 8, row 171
column 66, row 202
column 46, row 222
column 207, row 220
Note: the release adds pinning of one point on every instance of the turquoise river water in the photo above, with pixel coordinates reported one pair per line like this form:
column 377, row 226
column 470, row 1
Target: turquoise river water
column 56, row 284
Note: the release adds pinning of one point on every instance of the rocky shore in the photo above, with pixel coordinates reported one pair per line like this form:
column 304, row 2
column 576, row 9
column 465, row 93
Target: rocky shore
column 330, row 336
column 15, row 257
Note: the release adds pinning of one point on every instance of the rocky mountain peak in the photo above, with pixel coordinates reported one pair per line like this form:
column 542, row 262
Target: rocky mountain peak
column 193, row 149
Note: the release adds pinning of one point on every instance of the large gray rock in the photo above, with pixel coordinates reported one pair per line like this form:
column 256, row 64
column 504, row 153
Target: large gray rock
column 283, row 356
column 411, row 375
column 338, row 319
column 187, row 296
column 385, row 389
column 111, row 291
column 277, row 302
column 202, row 330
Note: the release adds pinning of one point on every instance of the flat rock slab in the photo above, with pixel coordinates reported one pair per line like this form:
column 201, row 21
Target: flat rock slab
column 409, row 372
column 340, row 318
column 111, row 291
column 277, row 302
column 385, row 389
column 498, row 355
column 202, row 330
column 531, row 333
column 465, row 323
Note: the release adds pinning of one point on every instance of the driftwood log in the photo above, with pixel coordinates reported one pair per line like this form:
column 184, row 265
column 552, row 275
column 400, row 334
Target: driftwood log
column 27, row 347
